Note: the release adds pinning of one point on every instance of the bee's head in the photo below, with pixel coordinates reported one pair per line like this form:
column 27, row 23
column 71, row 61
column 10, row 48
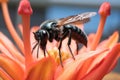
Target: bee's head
column 41, row 35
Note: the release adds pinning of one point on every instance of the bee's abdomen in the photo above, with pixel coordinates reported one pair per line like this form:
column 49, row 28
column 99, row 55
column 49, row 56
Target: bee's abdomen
column 77, row 34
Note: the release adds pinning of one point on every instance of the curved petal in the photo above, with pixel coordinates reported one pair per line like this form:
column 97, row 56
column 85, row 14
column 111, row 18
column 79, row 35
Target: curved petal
column 99, row 71
column 3, row 50
column 110, row 42
column 8, row 54
column 11, row 68
column 105, row 44
column 4, row 75
column 91, row 63
column 72, row 68
column 43, row 70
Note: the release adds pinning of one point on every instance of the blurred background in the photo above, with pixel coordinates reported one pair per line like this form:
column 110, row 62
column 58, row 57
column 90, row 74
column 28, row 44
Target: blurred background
column 55, row 9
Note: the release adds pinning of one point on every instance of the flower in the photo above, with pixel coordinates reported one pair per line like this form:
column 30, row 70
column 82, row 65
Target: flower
column 91, row 63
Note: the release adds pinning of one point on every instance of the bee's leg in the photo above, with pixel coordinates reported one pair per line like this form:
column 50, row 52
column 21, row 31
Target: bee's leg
column 44, row 52
column 69, row 42
column 38, row 48
column 60, row 44
column 60, row 51
column 44, row 49
column 43, row 46
column 77, row 47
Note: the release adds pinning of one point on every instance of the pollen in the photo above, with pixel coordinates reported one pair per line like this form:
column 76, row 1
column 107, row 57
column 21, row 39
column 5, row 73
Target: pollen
column 54, row 53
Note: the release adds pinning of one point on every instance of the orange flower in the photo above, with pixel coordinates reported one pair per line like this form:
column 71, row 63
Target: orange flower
column 91, row 63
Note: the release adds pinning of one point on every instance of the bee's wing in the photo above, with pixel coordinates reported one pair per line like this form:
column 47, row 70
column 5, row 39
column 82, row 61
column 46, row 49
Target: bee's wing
column 62, row 21
column 77, row 19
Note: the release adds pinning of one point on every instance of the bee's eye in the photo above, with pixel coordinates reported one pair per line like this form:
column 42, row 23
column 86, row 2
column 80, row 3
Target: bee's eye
column 44, row 32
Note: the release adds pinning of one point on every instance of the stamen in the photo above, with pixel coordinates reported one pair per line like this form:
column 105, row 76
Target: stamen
column 11, row 27
column 25, row 11
column 104, row 11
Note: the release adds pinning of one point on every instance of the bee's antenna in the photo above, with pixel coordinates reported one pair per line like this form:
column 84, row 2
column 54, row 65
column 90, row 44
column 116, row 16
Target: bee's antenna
column 34, row 47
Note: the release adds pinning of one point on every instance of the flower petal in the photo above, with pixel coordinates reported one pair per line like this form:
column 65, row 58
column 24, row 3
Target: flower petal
column 3, row 50
column 92, row 63
column 99, row 71
column 105, row 44
column 43, row 70
column 72, row 67
column 4, row 75
column 11, row 67
column 8, row 54
column 110, row 42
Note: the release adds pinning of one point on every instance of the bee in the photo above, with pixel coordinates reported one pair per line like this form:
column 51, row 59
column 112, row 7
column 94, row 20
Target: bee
column 59, row 29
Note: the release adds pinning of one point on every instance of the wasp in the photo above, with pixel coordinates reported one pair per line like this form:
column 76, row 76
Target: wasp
column 59, row 29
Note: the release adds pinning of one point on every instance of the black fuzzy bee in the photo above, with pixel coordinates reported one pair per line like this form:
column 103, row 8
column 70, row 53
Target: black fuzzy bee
column 60, row 29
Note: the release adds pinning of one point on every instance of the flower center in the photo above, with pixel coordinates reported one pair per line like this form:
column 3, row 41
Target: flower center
column 55, row 54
